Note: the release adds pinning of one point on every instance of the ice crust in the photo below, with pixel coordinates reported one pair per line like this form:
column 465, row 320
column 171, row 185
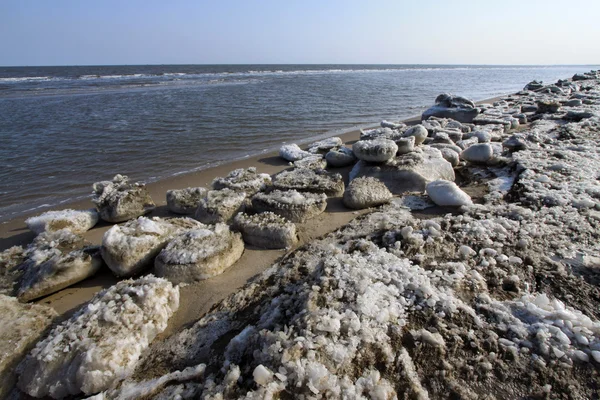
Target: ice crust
column 376, row 150
column 102, row 342
column 292, row 152
column 266, row 230
column 309, row 180
column 366, row 192
column 199, row 254
column 243, row 180
column 290, row 204
column 77, row 221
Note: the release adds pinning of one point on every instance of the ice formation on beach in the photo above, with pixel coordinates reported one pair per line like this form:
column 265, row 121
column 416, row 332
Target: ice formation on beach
column 102, row 342
column 309, row 180
column 366, row 192
column 293, row 152
column 199, row 254
column 317, row 162
column 323, row 146
column 340, row 157
column 290, row 204
column 77, row 221
column 130, row 248
column 478, row 153
column 21, row 326
column 446, row 193
column 185, row 201
column 119, row 200
column 376, row 150
column 266, row 230
column 220, row 206
column 243, row 180
column 418, row 132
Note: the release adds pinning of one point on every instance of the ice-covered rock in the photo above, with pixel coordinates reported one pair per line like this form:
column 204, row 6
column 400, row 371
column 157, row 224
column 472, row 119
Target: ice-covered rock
column 130, row 248
column 118, row 200
column 366, row 192
column 323, row 146
column 220, row 206
column 21, row 326
column 290, row 204
column 418, row 131
column 199, row 254
column 380, row 133
column 405, row 145
column 409, row 172
column 478, row 153
column 309, row 180
column 185, row 201
column 102, row 342
column 340, row 157
column 55, row 261
column 455, row 107
column 293, row 152
column 266, row 230
column 376, row 150
column 446, row 193
column 243, row 180
column 77, row 221
column 450, row 155
column 316, row 162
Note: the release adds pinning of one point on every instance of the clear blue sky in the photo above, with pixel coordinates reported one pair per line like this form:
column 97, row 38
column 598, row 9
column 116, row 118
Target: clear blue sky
column 81, row 32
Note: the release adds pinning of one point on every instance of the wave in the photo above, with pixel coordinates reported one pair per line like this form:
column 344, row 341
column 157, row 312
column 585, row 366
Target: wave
column 26, row 79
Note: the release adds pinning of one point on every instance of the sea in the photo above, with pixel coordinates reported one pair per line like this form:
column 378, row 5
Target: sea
column 64, row 128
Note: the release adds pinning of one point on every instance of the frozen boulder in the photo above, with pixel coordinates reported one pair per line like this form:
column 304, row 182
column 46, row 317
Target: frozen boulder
column 308, row 180
column 316, row 162
column 377, row 150
column 323, row 146
column 292, row 152
column 21, row 326
column 118, row 200
column 77, row 221
column 266, row 230
column 61, row 267
column 185, row 201
column 340, row 157
column 451, row 156
column 243, row 180
column 366, row 192
column 102, row 342
column 455, row 107
column 199, row 254
column 418, row 132
column 409, row 172
column 446, row 193
column 290, row 204
column 405, row 145
column 478, row 153
column 220, row 206
column 130, row 248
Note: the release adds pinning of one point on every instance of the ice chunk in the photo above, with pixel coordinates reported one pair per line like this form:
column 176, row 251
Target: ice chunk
column 323, row 146
column 446, row 193
column 308, row 180
column 77, row 221
column 266, row 230
column 366, row 192
column 243, row 180
column 220, row 206
column 185, row 201
column 290, row 204
column 118, row 200
column 377, row 150
column 292, row 152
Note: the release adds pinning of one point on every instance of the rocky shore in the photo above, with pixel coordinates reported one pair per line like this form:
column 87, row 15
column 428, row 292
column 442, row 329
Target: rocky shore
column 471, row 270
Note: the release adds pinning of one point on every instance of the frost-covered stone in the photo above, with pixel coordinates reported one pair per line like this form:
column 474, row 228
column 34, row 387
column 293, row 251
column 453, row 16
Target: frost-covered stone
column 266, row 230
column 376, row 150
column 118, row 200
column 340, row 157
column 455, row 107
column 409, row 172
column 199, row 254
column 478, row 153
column 292, row 152
column 21, row 326
column 418, row 132
column 366, row 192
column 220, row 206
column 290, row 204
column 185, row 201
column 243, row 180
column 102, row 342
column 316, row 162
column 323, row 146
column 130, row 248
column 309, row 180
column 56, row 263
column 446, row 193
column 77, row 221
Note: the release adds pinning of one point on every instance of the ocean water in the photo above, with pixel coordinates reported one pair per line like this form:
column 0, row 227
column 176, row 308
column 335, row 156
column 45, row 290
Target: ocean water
column 63, row 128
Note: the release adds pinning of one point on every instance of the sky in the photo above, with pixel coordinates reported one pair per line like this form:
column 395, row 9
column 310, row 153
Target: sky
column 109, row 32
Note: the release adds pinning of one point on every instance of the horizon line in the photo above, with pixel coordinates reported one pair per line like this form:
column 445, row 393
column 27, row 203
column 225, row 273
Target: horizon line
column 239, row 64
